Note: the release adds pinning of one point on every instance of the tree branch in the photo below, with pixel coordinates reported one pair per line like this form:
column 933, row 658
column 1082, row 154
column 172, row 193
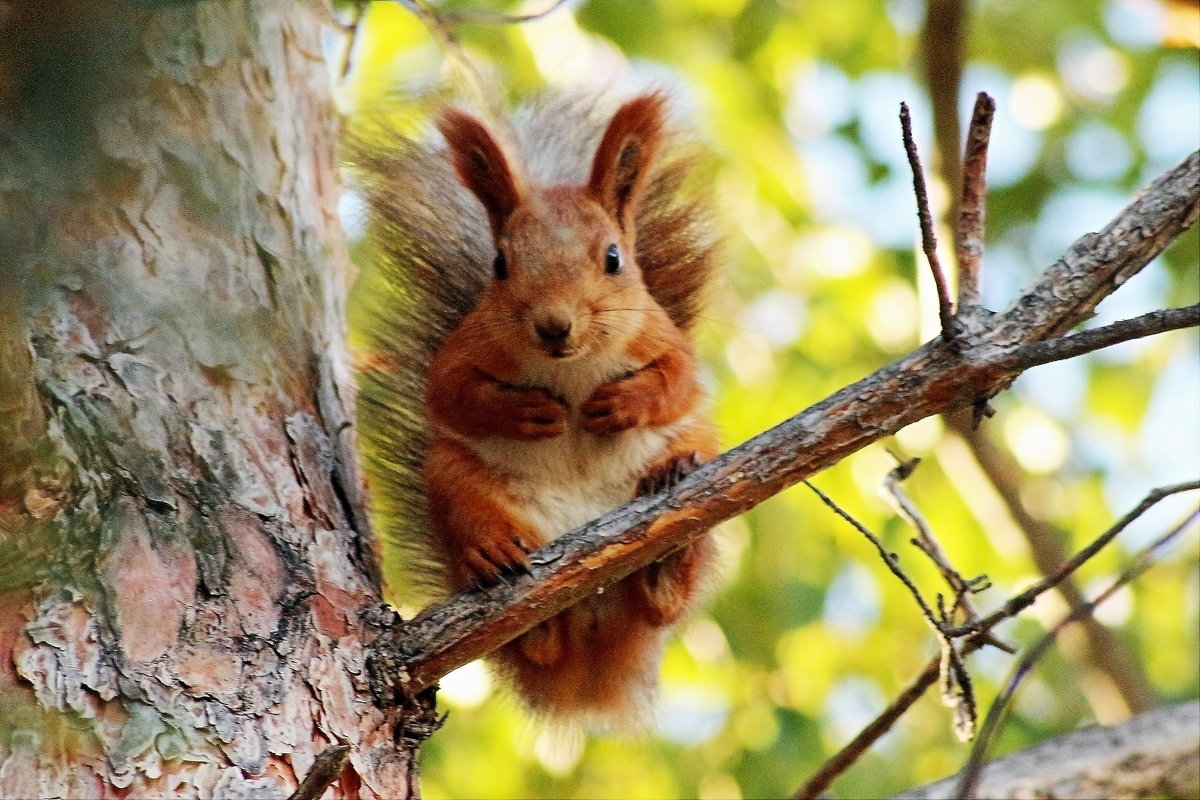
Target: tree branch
column 942, row 47
column 933, row 379
column 1020, row 602
column 928, row 544
column 1152, row 755
column 1038, row 353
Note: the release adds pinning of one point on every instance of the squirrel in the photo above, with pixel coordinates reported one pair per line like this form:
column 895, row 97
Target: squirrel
column 532, row 369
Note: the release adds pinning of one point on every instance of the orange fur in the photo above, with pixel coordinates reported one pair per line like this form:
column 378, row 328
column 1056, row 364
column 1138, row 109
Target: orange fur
column 565, row 391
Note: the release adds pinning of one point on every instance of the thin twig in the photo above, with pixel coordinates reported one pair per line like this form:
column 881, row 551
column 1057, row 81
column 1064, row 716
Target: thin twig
column 969, row 236
column 488, row 17
column 1038, row 353
column 928, row 240
column 351, row 29
column 956, row 684
column 326, row 769
column 969, row 776
column 845, row 758
column 889, row 558
column 1021, row 601
column 928, row 544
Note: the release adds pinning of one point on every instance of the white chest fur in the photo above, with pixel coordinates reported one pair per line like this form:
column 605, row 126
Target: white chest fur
column 565, row 481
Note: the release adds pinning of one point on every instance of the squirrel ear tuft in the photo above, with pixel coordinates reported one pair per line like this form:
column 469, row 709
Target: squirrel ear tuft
column 624, row 156
column 481, row 165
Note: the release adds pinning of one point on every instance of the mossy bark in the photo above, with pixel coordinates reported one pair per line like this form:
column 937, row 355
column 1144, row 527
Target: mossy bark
column 187, row 581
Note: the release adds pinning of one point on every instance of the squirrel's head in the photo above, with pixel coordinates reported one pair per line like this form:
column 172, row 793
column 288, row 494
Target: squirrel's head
column 565, row 272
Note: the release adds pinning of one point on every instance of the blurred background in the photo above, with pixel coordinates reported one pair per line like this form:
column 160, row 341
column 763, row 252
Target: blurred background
column 808, row 636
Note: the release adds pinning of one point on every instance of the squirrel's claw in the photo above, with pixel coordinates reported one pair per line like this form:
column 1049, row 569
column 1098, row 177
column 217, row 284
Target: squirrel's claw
column 665, row 476
column 488, row 563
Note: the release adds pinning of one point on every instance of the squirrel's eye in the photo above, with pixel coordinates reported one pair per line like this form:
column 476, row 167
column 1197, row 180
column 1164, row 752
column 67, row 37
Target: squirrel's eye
column 612, row 260
column 500, row 266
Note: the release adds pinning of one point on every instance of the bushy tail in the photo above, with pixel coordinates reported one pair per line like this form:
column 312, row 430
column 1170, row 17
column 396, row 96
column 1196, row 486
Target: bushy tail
column 604, row 676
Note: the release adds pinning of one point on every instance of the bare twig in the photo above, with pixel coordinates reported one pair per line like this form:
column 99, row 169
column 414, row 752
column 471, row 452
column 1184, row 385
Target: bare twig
column 928, row 544
column 928, row 239
column 955, row 681
column 350, row 29
column 1021, row 601
column 1169, row 319
column 326, row 769
column 969, row 777
column 969, row 235
column 1104, row 651
column 889, row 558
column 845, row 758
column 487, row 17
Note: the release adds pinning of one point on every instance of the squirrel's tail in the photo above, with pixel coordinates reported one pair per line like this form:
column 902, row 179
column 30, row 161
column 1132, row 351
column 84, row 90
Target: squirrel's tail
column 592, row 664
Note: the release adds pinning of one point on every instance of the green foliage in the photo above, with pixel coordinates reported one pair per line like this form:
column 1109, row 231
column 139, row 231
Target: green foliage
column 809, row 636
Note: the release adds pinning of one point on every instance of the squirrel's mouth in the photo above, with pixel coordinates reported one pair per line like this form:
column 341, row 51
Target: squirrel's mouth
column 561, row 351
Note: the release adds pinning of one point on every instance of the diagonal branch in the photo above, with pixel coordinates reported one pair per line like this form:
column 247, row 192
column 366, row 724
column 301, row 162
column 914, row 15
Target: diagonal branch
column 1151, row 755
column 933, row 379
column 1021, row 601
column 1169, row 319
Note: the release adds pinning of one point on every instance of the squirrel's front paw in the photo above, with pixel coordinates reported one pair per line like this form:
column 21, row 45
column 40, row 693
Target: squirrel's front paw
column 529, row 414
column 616, row 407
column 504, row 551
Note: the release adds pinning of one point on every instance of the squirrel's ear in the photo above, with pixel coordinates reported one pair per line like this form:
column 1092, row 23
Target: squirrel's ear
column 481, row 165
column 624, row 155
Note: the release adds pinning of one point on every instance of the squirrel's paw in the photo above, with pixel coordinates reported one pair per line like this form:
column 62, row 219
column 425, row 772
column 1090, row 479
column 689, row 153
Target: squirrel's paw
column 543, row 644
column 667, row 586
column 529, row 414
column 504, row 552
column 665, row 475
column 616, row 407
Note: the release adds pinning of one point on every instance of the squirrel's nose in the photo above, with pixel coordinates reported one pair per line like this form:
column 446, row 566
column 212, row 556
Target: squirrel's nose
column 553, row 330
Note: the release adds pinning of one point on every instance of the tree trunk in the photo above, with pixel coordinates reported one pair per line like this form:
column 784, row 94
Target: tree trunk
column 186, row 579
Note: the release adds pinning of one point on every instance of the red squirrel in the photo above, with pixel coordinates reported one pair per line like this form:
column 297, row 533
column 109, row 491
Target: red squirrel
column 566, row 384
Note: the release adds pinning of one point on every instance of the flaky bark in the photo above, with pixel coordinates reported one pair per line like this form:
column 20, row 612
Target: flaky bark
column 184, row 573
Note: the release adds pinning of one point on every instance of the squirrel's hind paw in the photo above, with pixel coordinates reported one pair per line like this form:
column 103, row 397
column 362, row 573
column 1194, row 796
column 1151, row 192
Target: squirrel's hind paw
column 667, row 587
column 543, row 644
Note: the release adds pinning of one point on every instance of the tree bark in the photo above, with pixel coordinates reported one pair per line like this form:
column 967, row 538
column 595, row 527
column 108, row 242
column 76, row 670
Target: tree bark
column 185, row 565
column 1156, row 754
